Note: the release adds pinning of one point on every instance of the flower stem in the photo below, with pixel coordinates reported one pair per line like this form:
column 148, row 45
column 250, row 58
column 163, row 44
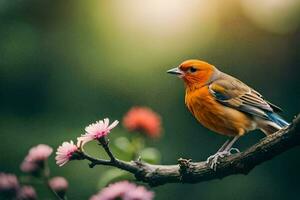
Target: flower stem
column 46, row 176
column 138, row 144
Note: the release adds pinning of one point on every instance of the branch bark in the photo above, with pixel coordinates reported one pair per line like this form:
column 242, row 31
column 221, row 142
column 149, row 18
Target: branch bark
column 194, row 172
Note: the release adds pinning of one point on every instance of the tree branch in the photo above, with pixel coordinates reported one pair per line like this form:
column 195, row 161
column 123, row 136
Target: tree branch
column 194, row 172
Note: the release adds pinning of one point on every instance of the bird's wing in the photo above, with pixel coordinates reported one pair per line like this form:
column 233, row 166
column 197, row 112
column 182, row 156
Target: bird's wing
column 233, row 93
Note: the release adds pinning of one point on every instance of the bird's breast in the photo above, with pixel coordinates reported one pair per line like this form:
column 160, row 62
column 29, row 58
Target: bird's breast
column 215, row 116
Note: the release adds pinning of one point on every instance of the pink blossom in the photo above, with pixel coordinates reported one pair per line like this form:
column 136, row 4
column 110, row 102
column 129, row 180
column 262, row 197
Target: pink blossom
column 65, row 152
column 27, row 193
column 143, row 119
column 8, row 184
column 97, row 130
column 39, row 153
column 123, row 190
column 59, row 185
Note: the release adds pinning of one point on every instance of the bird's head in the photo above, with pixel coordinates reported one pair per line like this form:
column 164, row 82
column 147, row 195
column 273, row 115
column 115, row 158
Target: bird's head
column 195, row 73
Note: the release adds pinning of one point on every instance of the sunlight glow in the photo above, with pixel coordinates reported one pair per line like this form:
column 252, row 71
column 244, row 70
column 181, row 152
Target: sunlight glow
column 162, row 16
column 278, row 16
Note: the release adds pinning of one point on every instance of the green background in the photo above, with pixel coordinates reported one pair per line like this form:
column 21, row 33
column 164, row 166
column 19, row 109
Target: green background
column 65, row 64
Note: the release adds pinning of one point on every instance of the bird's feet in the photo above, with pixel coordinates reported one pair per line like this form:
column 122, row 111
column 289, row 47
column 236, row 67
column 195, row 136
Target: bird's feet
column 213, row 160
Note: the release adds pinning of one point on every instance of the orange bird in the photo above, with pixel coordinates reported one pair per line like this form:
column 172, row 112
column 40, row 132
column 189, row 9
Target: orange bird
column 225, row 105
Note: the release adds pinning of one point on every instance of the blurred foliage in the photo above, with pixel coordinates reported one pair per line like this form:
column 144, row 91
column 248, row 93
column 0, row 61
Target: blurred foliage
column 64, row 64
column 150, row 155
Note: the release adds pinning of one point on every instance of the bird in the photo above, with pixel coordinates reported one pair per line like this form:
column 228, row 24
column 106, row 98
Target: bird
column 225, row 105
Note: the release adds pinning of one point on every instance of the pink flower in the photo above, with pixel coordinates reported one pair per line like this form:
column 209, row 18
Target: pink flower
column 65, row 152
column 97, row 130
column 9, row 185
column 39, row 153
column 59, row 185
column 27, row 193
column 123, row 190
column 143, row 119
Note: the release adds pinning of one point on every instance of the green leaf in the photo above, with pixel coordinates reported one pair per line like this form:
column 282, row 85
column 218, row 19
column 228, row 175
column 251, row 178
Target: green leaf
column 150, row 155
column 124, row 145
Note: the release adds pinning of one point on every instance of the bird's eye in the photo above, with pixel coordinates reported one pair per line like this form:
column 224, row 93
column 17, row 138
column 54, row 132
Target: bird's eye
column 192, row 69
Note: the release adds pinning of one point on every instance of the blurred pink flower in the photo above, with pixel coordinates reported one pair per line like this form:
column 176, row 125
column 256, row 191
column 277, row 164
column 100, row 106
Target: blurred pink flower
column 9, row 185
column 34, row 160
column 29, row 167
column 122, row 190
column 65, row 152
column 114, row 191
column 143, row 119
column 59, row 185
column 97, row 130
column 27, row 193
column 140, row 193
column 39, row 153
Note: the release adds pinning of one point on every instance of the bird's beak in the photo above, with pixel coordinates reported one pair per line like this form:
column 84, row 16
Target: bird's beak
column 175, row 71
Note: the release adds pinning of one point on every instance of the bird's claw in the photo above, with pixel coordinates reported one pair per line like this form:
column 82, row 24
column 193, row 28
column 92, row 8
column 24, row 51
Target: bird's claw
column 213, row 160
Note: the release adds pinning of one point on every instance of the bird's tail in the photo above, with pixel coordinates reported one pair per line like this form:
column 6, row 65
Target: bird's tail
column 272, row 125
column 277, row 119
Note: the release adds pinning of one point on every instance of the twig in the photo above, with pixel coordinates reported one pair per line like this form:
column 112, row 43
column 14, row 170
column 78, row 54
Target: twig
column 194, row 172
column 104, row 142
